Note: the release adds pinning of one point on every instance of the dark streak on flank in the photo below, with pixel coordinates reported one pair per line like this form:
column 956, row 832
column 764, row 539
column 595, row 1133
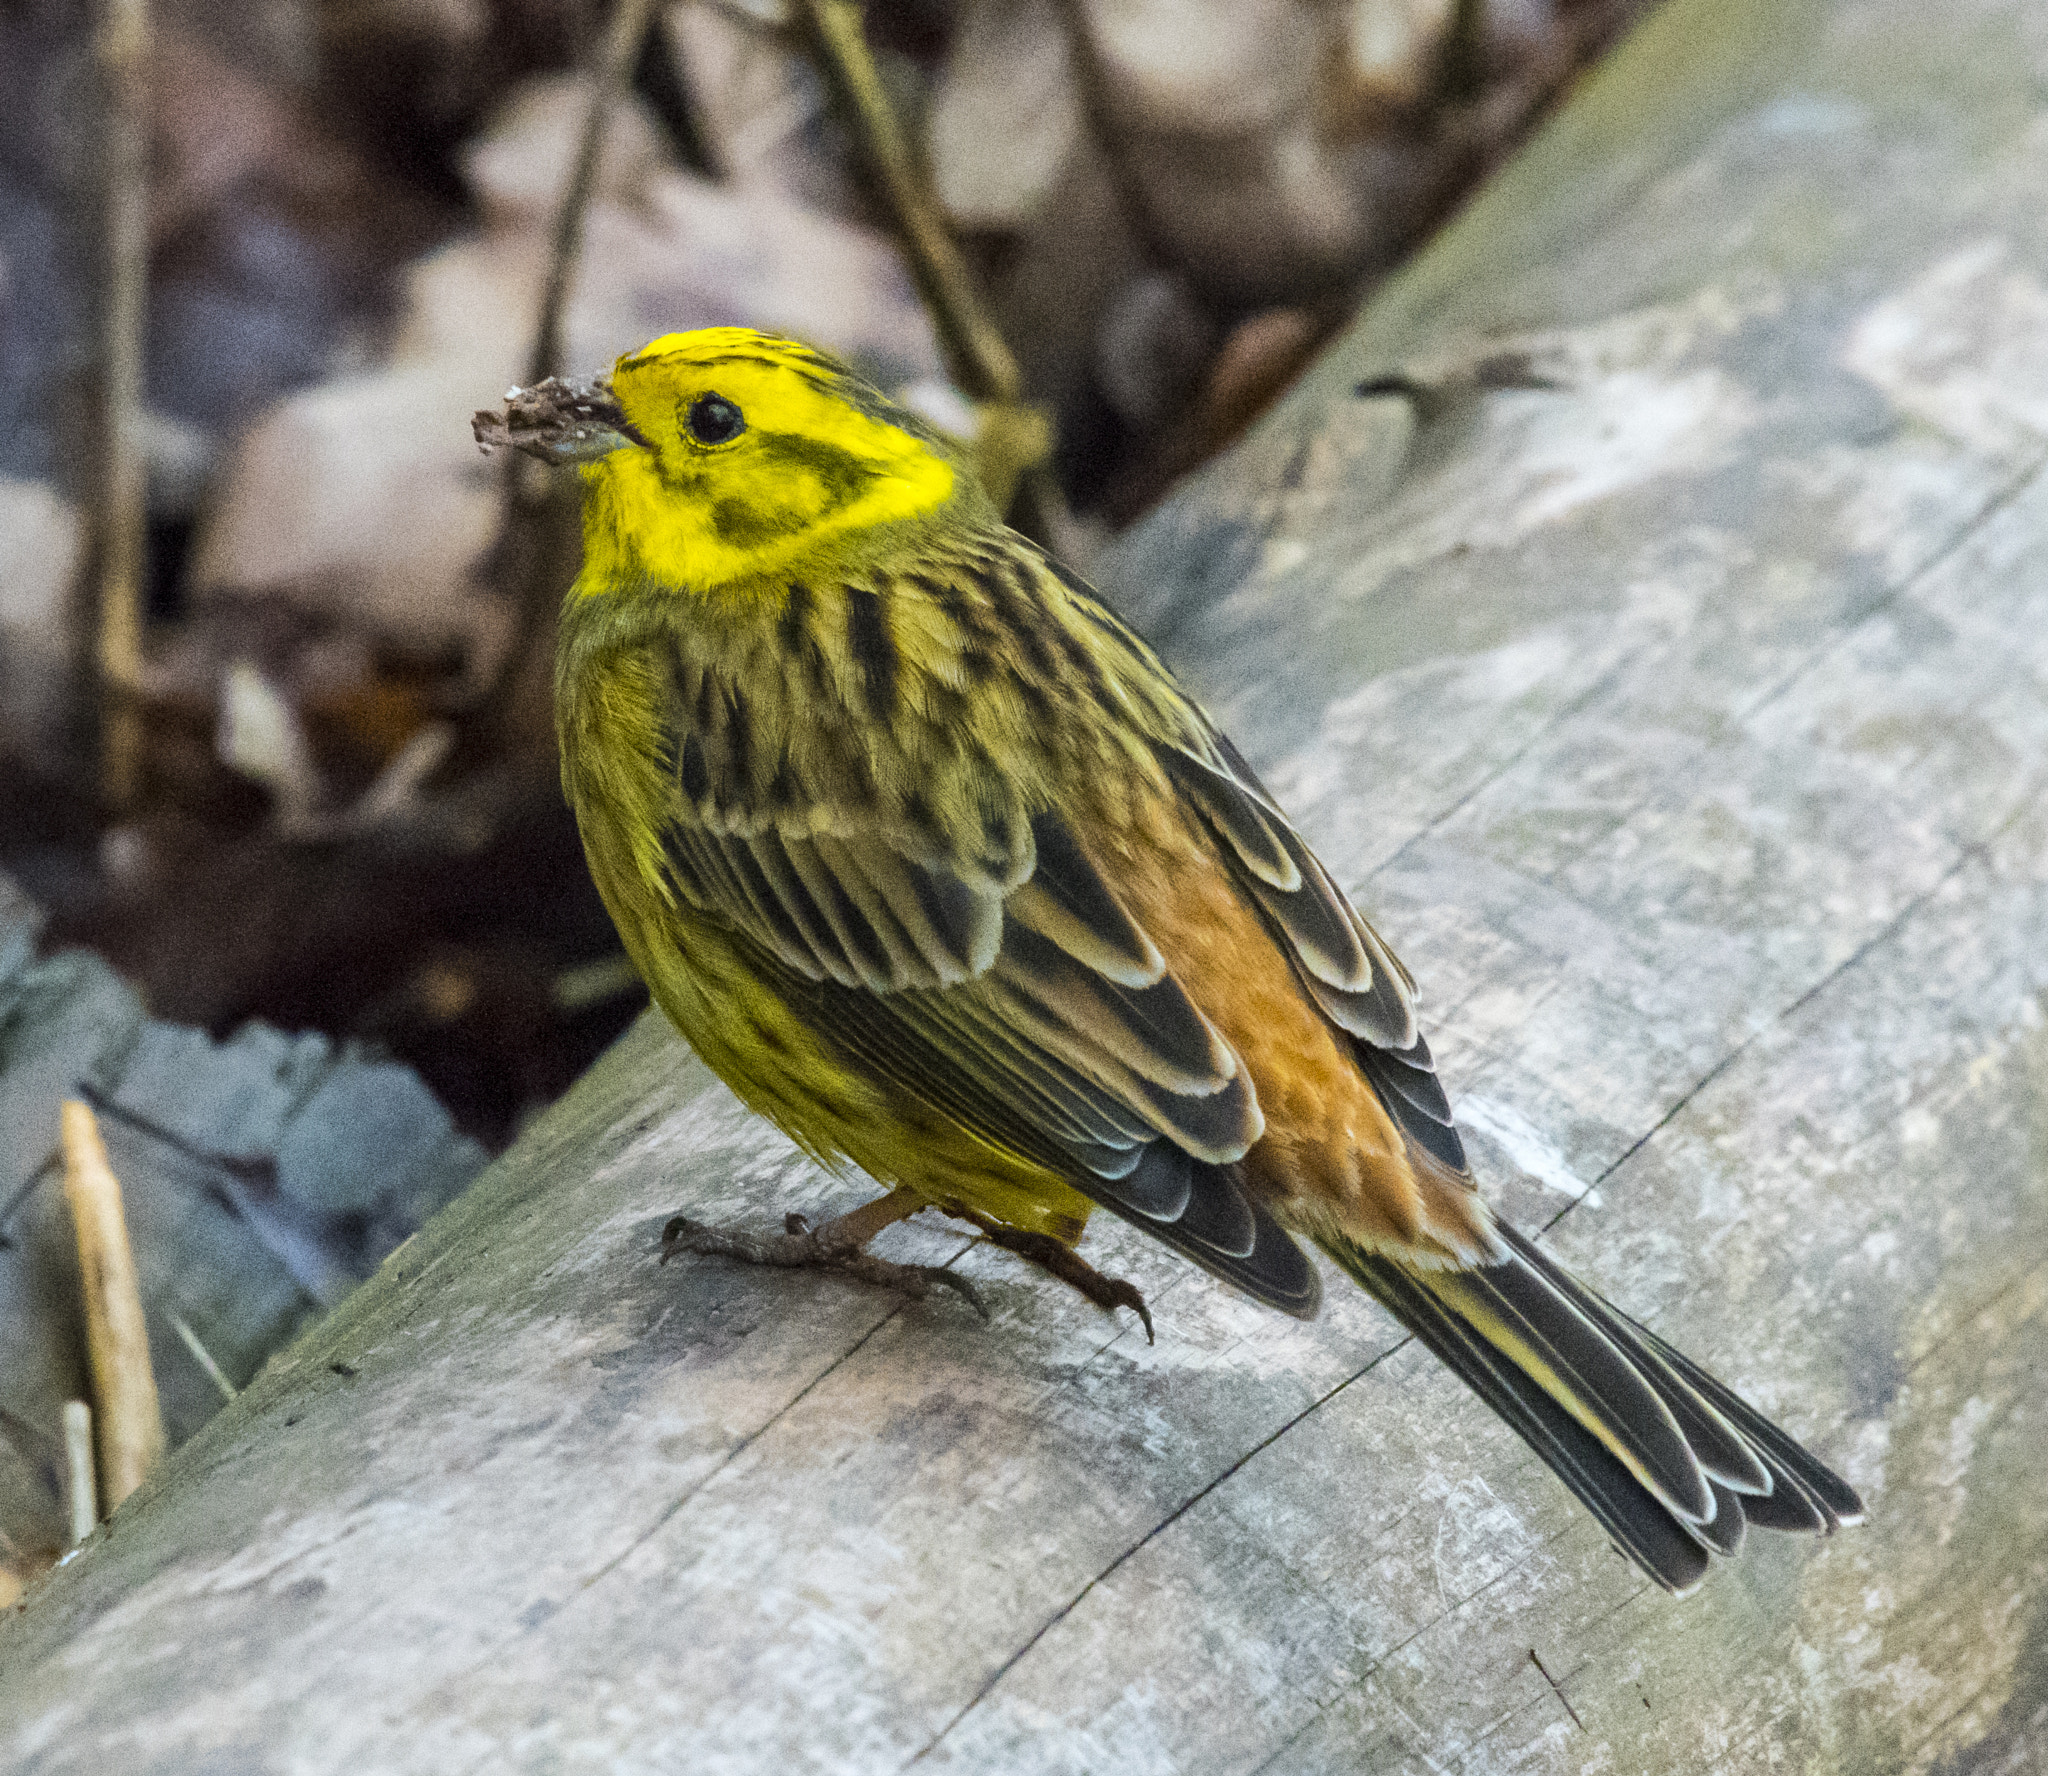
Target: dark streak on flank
column 873, row 648
column 1018, row 622
column 860, row 775
column 1082, row 664
column 946, row 714
column 1098, row 610
column 793, row 627
column 739, row 737
column 951, row 598
column 983, row 624
column 1068, row 578
column 674, row 692
column 1116, row 630
column 979, row 637
column 696, row 777
column 1037, row 698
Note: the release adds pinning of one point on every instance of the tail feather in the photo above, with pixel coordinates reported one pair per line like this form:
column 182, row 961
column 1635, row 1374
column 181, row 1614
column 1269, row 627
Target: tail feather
column 1673, row 1463
column 1729, row 1526
column 1789, row 1506
column 1549, row 1337
column 1720, row 1449
column 1640, row 1525
column 1830, row 1494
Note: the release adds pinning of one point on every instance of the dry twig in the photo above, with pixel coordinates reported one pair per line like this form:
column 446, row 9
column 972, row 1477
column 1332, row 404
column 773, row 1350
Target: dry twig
column 81, row 1485
column 1092, row 85
column 980, row 360
column 615, row 59
column 121, row 48
column 203, row 1357
column 977, row 355
column 131, row 1424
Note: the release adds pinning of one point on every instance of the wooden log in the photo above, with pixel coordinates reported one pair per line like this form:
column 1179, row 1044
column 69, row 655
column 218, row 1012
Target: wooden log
column 1661, row 653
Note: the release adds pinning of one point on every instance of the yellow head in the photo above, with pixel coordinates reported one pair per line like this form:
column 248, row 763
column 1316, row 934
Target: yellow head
column 742, row 453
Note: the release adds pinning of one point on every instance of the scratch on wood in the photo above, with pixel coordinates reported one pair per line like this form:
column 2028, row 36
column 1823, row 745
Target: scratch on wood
column 1942, row 552
column 1558, row 1689
column 1151, row 1535
column 1876, row 940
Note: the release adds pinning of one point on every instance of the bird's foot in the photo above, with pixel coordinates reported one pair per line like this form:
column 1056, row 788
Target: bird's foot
column 838, row 1245
column 1049, row 1254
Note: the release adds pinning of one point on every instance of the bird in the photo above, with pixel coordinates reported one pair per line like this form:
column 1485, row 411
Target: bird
column 930, row 857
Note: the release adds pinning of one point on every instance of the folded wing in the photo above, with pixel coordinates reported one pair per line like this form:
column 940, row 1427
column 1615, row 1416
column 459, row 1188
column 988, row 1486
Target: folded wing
column 1042, row 1017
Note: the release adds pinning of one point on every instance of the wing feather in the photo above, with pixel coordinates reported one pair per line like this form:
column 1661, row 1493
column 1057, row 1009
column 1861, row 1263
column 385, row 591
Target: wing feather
column 807, row 926
column 859, row 869
column 1027, row 1004
column 1342, row 961
column 1068, row 902
column 1154, row 1031
column 858, row 956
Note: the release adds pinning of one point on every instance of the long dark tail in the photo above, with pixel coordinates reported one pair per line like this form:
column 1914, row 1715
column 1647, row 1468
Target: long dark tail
column 1674, row 1464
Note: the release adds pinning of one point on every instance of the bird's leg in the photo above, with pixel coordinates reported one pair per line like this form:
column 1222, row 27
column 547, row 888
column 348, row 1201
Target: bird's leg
column 841, row 1244
column 1107, row 1292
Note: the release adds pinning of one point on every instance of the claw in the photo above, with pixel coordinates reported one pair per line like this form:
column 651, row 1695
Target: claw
column 800, row 1247
column 1107, row 1292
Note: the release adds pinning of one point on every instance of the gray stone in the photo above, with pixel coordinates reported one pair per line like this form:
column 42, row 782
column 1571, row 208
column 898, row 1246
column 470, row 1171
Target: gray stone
column 262, row 1179
column 366, row 1125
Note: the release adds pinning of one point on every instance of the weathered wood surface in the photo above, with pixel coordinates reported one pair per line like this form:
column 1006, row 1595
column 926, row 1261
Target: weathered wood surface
column 1685, row 724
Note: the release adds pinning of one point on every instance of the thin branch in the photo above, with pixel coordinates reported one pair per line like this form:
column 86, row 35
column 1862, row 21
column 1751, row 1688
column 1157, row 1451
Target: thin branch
column 976, row 353
column 531, row 493
column 616, row 59
column 81, row 1483
column 1092, row 85
column 121, row 49
column 202, row 1356
column 1460, row 68
column 129, row 1418
column 977, row 356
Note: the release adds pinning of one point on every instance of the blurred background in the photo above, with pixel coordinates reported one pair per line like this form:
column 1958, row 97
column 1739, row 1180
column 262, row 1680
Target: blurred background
column 349, row 205
column 276, row 770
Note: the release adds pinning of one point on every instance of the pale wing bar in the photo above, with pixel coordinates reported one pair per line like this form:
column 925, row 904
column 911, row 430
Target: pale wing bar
column 1349, row 971
column 1352, row 975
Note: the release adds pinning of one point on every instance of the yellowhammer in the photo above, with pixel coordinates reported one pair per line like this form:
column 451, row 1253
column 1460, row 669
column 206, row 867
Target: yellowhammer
column 935, row 864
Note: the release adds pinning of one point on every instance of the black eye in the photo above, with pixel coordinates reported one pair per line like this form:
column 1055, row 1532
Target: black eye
column 715, row 420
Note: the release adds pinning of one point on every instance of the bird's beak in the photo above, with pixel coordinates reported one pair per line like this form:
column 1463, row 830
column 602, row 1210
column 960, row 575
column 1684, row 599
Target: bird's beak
column 558, row 422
